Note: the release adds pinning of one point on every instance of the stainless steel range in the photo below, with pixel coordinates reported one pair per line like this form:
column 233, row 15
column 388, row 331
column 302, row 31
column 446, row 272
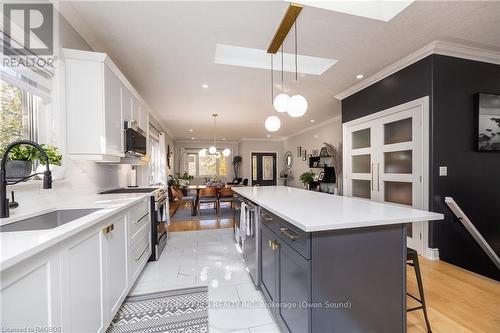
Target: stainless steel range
column 159, row 213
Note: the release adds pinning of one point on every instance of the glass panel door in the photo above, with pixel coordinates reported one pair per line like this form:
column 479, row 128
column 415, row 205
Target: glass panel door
column 359, row 164
column 399, row 164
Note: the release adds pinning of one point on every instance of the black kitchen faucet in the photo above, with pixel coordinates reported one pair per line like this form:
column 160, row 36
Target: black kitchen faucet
column 47, row 175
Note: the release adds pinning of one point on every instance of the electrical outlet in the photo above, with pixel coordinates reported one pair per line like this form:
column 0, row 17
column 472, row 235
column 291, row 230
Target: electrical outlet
column 443, row 171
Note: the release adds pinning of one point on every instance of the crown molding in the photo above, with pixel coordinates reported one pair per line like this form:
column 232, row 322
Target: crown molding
column 316, row 126
column 436, row 47
column 261, row 139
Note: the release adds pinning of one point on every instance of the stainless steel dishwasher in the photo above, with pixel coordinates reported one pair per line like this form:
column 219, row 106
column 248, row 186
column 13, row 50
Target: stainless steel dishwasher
column 250, row 241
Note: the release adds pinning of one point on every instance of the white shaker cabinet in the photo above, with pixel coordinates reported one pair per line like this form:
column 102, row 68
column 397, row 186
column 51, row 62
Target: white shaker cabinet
column 143, row 118
column 83, row 283
column 114, row 243
column 30, row 293
column 93, row 103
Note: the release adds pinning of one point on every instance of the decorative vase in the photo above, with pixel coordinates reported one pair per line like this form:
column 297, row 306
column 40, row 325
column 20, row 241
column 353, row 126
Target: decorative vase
column 16, row 169
column 57, row 171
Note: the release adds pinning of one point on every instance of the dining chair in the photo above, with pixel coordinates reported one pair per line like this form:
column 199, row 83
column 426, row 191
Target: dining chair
column 225, row 194
column 208, row 195
column 181, row 198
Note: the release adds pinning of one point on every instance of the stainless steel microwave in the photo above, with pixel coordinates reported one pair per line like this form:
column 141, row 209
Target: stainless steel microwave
column 135, row 141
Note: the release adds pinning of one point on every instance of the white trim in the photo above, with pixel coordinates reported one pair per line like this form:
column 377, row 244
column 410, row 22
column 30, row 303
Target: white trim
column 432, row 254
column 437, row 47
column 423, row 103
column 261, row 139
column 313, row 127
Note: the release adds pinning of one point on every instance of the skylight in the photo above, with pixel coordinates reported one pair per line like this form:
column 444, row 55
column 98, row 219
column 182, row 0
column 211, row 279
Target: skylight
column 257, row 58
column 374, row 9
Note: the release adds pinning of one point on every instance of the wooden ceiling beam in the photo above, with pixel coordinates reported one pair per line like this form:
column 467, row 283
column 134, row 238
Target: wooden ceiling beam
column 286, row 24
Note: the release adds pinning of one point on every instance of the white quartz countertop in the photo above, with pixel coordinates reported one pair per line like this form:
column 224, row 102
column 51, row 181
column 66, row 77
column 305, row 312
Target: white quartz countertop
column 16, row 246
column 316, row 211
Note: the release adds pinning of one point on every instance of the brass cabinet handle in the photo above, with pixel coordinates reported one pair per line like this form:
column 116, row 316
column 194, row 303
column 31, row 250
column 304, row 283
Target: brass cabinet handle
column 274, row 245
column 106, row 230
column 378, row 177
column 142, row 253
column 267, row 217
column 289, row 233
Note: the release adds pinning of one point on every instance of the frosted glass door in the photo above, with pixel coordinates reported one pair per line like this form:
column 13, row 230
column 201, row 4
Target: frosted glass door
column 360, row 164
column 399, row 169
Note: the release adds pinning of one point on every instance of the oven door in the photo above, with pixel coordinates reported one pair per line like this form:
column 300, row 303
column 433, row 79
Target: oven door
column 159, row 220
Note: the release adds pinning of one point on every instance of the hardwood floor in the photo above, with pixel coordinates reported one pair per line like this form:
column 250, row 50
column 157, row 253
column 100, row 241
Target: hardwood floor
column 458, row 301
column 197, row 224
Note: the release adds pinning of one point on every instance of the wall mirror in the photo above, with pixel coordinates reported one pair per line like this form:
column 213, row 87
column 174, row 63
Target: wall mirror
column 288, row 159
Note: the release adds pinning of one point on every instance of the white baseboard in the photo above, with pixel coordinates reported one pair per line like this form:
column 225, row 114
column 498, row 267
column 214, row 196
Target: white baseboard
column 432, row 254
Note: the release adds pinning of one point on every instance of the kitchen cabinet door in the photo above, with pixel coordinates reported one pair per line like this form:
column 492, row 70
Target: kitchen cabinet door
column 135, row 110
column 30, row 292
column 82, row 282
column 126, row 104
column 270, row 267
column 295, row 285
column 115, row 263
column 113, row 113
column 143, row 118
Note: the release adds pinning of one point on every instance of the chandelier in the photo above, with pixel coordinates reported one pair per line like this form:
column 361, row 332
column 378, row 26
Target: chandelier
column 212, row 150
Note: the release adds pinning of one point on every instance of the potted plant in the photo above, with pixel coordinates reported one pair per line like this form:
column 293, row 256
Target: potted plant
column 306, row 178
column 55, row 159
column 183, row 180
column 236, row 165
column 20, row 162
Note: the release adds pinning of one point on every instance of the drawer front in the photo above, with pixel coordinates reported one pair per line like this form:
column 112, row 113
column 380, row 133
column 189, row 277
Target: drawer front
column 140, row 250
column 136, row 225
column 139, row 210
column 298, row 239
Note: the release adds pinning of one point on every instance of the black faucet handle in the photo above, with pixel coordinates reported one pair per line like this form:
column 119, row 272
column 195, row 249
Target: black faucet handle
column 47, row 179
column 13, row 204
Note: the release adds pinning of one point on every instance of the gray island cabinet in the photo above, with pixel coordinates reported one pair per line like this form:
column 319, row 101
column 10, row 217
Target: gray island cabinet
column 330, row 263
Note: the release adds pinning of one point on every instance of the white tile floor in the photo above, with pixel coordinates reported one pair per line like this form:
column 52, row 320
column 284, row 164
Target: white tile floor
column 209, row 257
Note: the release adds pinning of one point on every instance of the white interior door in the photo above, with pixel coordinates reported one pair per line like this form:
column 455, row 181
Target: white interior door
column 384, row 162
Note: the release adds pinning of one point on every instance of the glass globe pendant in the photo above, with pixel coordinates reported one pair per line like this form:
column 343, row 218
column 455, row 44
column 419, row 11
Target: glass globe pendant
column 202, row 152
column 212, row 150
column 297, row 106
column 280, row 102
column 273, row 123
column 226, row 152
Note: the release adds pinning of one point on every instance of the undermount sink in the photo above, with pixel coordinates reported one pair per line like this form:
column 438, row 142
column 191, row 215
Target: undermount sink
column 49, row 220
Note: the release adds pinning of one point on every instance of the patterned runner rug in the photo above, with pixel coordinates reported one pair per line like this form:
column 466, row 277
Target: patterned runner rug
column 175, row 311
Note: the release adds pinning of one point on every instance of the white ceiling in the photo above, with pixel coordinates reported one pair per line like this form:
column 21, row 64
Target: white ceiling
column 166, row 50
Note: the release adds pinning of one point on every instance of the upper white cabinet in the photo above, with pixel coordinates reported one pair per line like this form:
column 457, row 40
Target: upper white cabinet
column 99, row 99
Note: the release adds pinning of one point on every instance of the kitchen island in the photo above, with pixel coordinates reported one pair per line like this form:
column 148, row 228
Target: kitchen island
column 330, row 263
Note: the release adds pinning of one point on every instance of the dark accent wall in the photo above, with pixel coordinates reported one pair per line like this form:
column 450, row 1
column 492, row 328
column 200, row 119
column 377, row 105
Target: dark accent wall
column 473, row 177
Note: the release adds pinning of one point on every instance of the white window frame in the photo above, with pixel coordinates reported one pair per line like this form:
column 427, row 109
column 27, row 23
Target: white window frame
column 195, row 153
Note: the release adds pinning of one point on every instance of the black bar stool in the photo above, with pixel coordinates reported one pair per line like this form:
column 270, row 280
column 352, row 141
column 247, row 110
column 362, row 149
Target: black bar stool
column 412, row 260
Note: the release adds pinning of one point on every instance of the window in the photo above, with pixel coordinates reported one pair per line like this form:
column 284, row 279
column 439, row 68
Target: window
column 206, row 166
column 20, row 111
column 155, row 156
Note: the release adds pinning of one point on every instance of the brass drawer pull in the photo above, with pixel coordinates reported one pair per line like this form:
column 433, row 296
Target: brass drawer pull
column 106, row 230
column 289, row 233
column 142, row 253
column 267, row 217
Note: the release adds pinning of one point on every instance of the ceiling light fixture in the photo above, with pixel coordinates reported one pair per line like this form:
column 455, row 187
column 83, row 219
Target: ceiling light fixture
column 312, row 120
column 296, row 106
column 212, row 150
column 204, row 86
column 359, row 76
column 273, row 123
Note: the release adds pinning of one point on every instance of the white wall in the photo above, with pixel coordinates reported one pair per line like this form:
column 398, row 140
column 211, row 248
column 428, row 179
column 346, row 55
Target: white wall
column 310, row 139
column 248, row 146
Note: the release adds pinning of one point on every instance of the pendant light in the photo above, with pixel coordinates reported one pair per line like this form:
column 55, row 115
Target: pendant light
column 297, row 104
column 273, row 123
column 281, row 100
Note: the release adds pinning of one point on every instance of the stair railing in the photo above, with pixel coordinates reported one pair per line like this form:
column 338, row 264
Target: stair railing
column 472, row 230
